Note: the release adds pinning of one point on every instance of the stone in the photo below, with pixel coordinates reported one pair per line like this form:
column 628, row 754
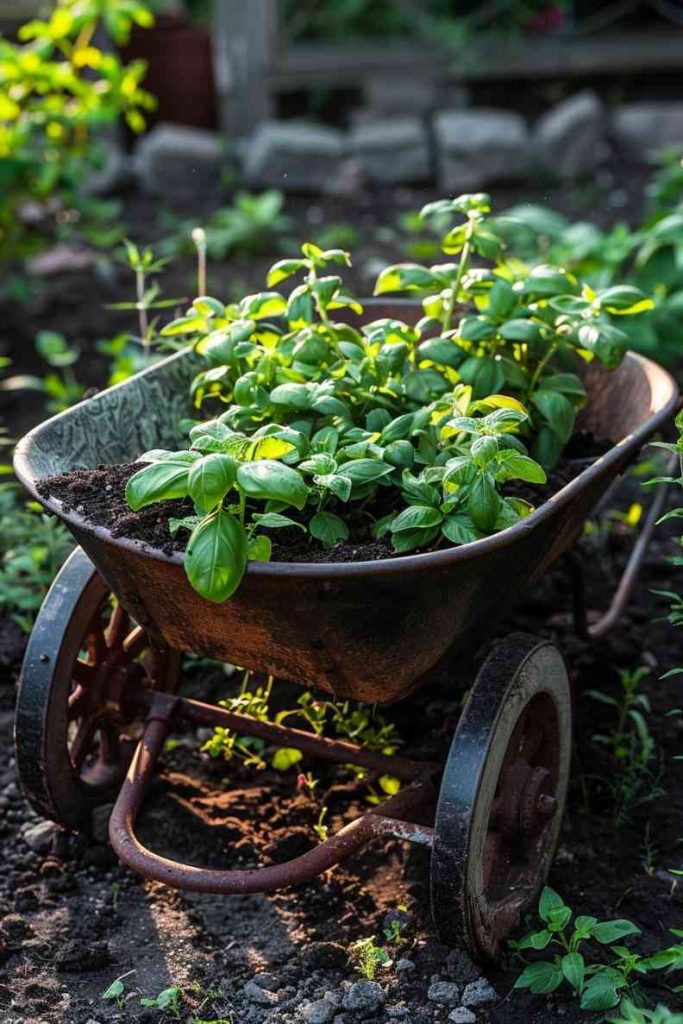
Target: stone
column 404, row 966
column 392, row 152
column 460, row 967
column 255, row 994
column 40, row 837
column 178, row 162
column 479, row 993
column 568, row 141
column 364, row 998
column 445, row 993
column 114, row 170
column 318, row 1012
column 642, row 129
column 461, row 1015
column 477, row 147
column 294, row 155
column 267, row 981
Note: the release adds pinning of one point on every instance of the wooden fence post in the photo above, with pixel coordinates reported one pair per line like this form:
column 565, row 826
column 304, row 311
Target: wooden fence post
column 245, row 34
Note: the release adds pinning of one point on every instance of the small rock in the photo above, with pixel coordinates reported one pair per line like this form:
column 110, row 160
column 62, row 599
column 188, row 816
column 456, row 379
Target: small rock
column 61, row 259
column 476, row 147
column 293, row 155
column 113, row 171
column 392, row 152
column 445, row 993
column 39, row 837
column 404, row 966
column 180, row 162
column 319, row 1012
column 255, row 994
column 364, row 997
column 479, row 993
column 462, row 1015
column 644, row 128
column 267, row 981
column 460, row 967
column 567, row 140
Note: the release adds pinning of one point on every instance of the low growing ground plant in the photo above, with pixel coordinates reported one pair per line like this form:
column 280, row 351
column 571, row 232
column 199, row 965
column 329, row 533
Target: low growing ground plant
column 406, row 429
column 589, row 957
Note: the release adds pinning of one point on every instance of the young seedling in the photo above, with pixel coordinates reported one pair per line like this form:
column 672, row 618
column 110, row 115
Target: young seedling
column 170, row 999
column 116, row 992
column 370, row 958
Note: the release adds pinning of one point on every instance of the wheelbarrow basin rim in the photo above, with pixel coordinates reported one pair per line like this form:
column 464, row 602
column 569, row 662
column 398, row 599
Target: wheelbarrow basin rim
column 423, row 562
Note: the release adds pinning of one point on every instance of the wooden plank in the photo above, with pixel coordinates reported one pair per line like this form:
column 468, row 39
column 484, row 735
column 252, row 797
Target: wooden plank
column 314, row 64
column 244, row 39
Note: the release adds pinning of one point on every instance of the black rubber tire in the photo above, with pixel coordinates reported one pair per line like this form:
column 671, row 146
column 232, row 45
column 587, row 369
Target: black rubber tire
column 50, row 780
column 520, row 670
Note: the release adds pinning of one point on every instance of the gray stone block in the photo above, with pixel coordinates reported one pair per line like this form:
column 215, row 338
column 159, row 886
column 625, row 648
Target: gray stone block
column 478, row 147
column 293, row 155
column 644, row 128
column 403, row 94
column 569, row 139
column 180, row 162
column 392, row 152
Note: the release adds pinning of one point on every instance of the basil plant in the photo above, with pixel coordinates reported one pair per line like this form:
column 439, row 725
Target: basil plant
column 353, row 431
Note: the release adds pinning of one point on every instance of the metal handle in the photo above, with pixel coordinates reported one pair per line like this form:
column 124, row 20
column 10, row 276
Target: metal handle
column 327, row 854
column 624, row 590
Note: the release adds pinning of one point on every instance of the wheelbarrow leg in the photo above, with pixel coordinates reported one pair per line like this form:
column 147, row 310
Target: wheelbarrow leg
column 607, row 621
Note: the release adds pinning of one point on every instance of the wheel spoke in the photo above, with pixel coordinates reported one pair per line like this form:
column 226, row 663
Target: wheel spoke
column 81, row 743
column 110, row 745
column 119, row 627
column 96, row 642
column 76, row 703
column 135, row 643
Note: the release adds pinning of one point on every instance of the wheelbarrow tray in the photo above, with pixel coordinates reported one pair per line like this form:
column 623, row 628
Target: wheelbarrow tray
column 365, row 630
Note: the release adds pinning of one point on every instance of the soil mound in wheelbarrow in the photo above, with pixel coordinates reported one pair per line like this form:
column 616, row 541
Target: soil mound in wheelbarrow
column 99, row 496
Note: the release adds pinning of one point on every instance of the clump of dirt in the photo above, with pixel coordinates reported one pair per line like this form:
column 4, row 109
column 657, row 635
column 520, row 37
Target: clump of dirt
column 99, row 496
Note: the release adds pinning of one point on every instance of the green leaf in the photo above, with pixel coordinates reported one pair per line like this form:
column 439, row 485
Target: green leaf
column 297, row 396
column 283, row 269
column 544, row 281
column 607, row 932
column 363, row 471
column 565, row 383
column 259, row 548
column 520, row 330
column 483, row 503
column 209, row 480
column 272, row 448
column 159, row 482
column 624, row 300
column 537, row 940
column 285, row 758
column 273, row 481
column 558, row 412
column 602, row 991
column 574, row 970
column 520, row 467
column 416, row 517
column 541, row 978
column 216, row 556
column 328, row 528
column 404, row 277
column 459, row 529
column 276, row 521
column 262, row 305
column 549, row 901
column 604, row 341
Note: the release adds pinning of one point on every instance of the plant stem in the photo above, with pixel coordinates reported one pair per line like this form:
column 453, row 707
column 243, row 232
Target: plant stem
column 142, row 311
column 464, row 259
column 539, row 370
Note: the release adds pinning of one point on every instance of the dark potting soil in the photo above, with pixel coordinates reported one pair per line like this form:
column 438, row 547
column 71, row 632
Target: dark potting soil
column 99, row 496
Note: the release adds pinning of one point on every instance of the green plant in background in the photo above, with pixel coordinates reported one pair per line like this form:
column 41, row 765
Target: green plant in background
column 57, row 90
column 391, row 428
column 629, row 1013
column 33, row 547
column 253, row 225
column 169, row 1000
column 580, row 962
column 631, row 745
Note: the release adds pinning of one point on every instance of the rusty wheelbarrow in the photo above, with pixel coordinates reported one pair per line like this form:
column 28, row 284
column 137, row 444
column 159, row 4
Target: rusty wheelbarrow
column 491, row 814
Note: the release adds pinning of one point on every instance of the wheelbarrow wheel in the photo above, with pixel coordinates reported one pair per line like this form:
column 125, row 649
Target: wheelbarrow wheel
column 502, row 796
column 76, row 722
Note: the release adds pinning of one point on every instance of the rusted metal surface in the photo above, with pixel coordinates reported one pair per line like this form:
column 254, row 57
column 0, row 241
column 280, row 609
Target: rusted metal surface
column 502, row 795
column 378, row 626
column 387, row 820
column 608, row 620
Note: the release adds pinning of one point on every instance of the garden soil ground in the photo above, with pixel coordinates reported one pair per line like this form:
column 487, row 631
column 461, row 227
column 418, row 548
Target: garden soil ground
column 72, row 919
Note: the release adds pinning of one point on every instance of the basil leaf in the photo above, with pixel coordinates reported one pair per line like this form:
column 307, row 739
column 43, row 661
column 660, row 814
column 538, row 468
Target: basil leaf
column 158, row 482
column 328, row 528
column 216, row 556
column 210, row 479
column 273, row 480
